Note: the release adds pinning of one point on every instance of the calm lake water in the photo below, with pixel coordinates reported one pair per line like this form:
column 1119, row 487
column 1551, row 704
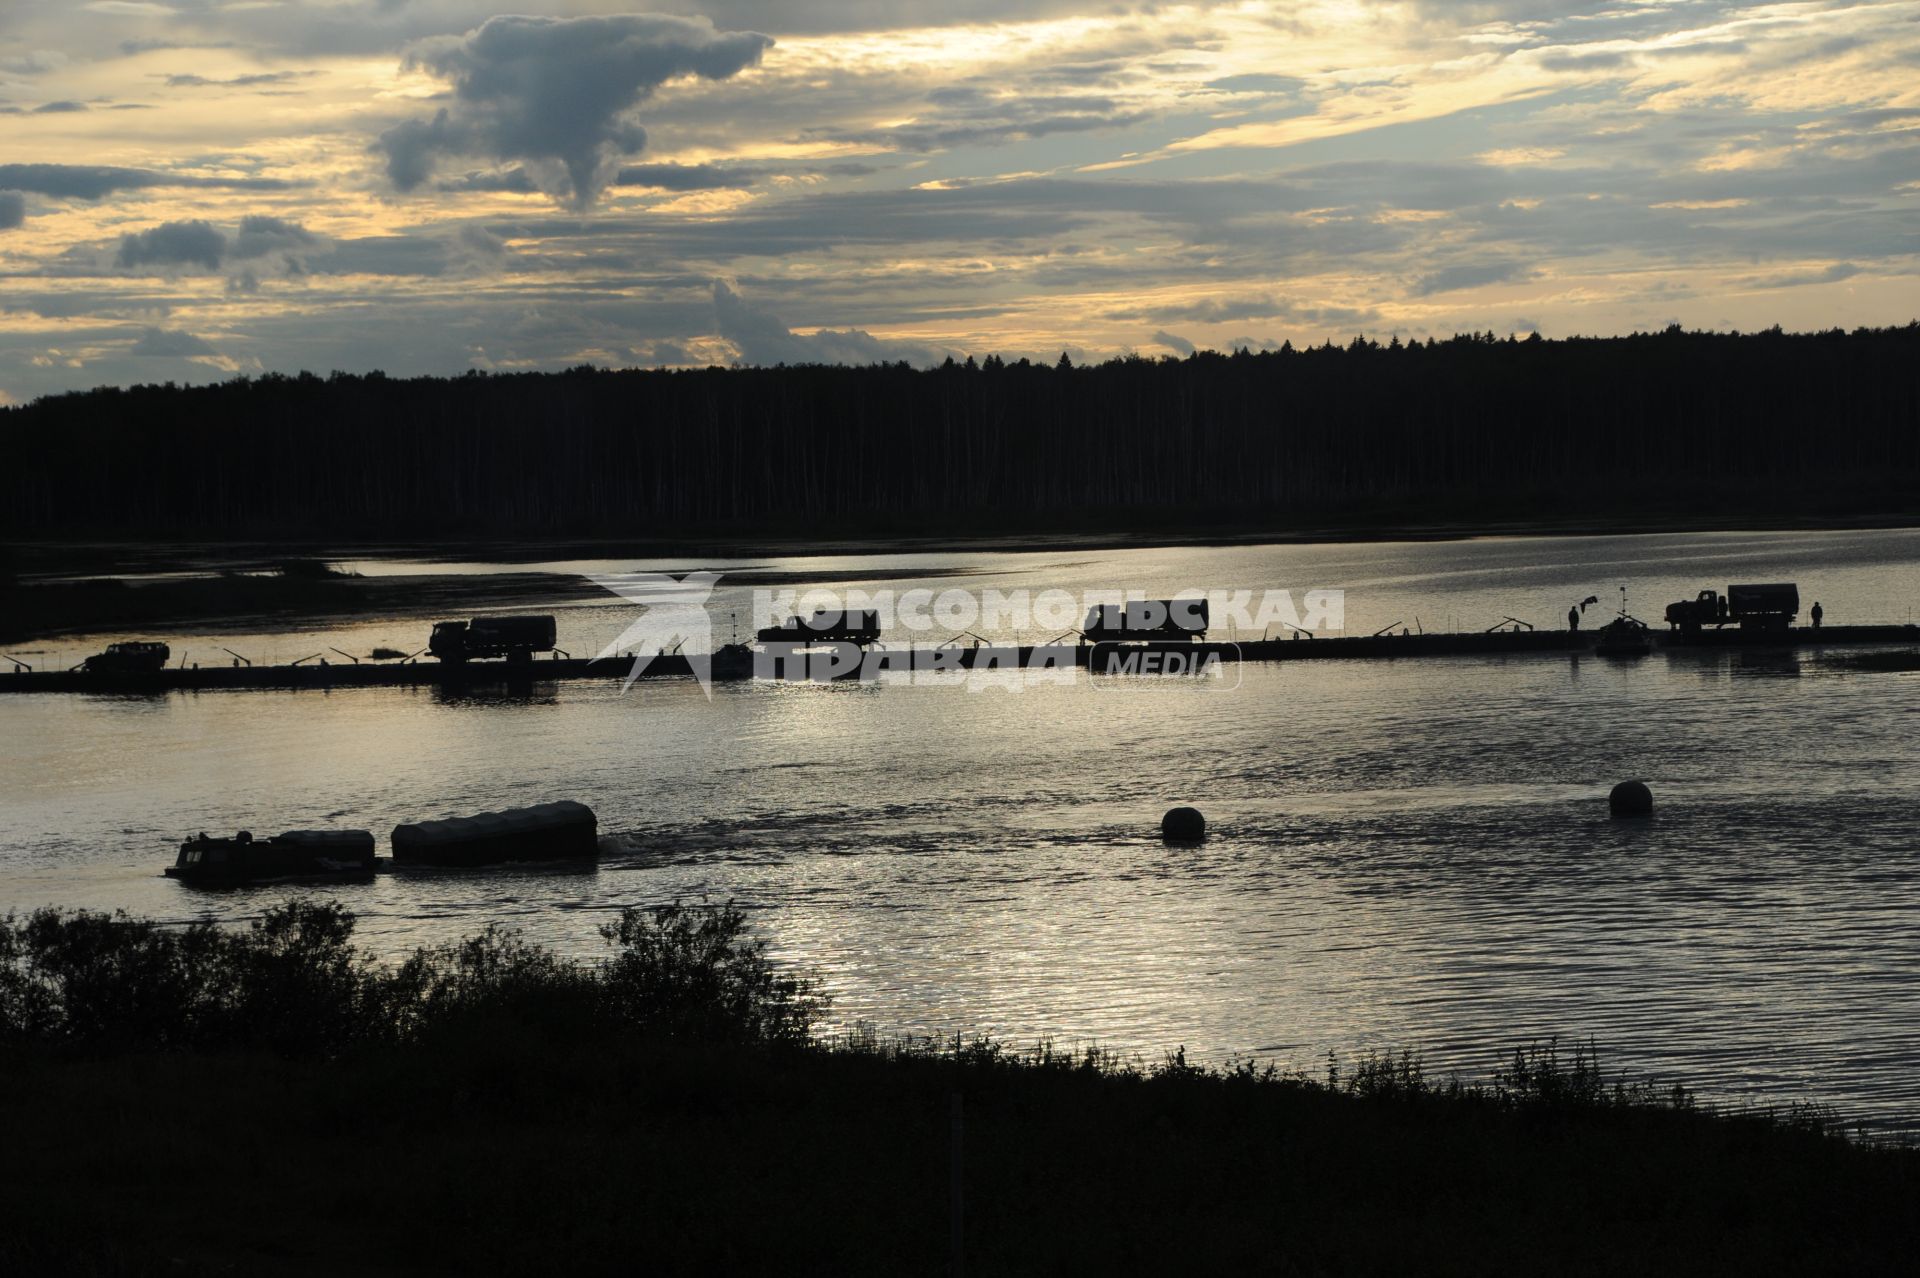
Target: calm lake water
column 1404, row 854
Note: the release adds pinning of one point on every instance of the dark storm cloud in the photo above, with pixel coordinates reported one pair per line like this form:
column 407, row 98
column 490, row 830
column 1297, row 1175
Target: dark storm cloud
column 555, row 93
column 13, row 210
column 94, row 181
column 173, row 244
column 761, row 338
column 162, row 343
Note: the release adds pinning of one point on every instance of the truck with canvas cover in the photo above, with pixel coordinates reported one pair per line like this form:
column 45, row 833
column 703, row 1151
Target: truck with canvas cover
column 562, row 831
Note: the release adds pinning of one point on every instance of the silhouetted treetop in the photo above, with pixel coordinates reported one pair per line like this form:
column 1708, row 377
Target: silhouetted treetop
column 1493, row 427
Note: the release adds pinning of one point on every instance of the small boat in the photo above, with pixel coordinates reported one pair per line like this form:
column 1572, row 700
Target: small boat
column 297, row 854
column 562, row 831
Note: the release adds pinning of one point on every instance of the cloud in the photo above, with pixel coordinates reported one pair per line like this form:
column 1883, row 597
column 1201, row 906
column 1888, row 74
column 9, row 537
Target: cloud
column 179, row 245
column 1232, row 310
column 259, row 236
column 1173, row 342
column 761, row 338
column 661, row 177
column 163, row 343
column 1831, row 275
column 237, row 82
column 556, row 94
column 967, row 115
column 97, row 181
column 173, row 244
column 1601, row 60
column 13, row 210
column 689, row 177
column 34, row 62
column 59, row 108
column 1470, row 275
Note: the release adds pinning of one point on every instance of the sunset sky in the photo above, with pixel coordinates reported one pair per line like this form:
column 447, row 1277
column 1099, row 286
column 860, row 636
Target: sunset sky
column 195, row 188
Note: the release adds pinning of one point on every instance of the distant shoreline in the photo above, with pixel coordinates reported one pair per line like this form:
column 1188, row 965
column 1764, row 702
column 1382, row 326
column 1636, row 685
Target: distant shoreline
column 161, row 554
column 225, row 594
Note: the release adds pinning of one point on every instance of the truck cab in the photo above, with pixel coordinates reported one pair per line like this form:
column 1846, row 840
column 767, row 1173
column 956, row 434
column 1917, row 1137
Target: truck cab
column 515, row 638
column 1708, row 608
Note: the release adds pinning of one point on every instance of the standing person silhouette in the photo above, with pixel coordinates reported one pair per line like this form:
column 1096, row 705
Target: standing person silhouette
column 1818, row 614
column 1573, row 617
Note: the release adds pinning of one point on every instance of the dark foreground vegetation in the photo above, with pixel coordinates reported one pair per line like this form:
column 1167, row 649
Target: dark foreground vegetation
column 1475, row 430
column 188, row 1100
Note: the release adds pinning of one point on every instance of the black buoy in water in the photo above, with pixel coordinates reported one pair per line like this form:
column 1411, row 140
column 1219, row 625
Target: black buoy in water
column 1183, row 825
column 1631, row 799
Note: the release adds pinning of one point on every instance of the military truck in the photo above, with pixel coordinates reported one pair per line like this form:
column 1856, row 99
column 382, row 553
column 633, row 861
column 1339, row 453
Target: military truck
column 515, row 638
column 827, row 625
column 1769, row 607
column 1147, row 620
column 561, row 831
column 297, row 854
column 137, row 657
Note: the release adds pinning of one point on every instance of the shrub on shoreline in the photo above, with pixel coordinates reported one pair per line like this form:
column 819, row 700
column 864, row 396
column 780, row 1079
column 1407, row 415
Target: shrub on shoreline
column 293, row 983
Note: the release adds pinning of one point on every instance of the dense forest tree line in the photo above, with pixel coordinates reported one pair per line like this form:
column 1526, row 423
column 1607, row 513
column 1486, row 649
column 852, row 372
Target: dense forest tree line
column 1475, row 427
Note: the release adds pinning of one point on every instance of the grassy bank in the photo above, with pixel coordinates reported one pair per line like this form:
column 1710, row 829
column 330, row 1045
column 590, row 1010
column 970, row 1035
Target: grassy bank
column 188, row 1100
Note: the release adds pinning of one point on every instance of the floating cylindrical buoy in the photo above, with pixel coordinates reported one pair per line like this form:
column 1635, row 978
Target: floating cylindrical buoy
column 1183, row 825
column 1631, row 799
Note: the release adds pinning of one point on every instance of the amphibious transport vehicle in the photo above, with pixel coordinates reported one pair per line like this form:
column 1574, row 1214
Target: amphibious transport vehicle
column 298, row 854
column 563, row 831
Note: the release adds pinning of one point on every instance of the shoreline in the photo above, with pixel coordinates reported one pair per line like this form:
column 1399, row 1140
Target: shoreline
column 44, row 558
column 487, row 1109
column 78, row 589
